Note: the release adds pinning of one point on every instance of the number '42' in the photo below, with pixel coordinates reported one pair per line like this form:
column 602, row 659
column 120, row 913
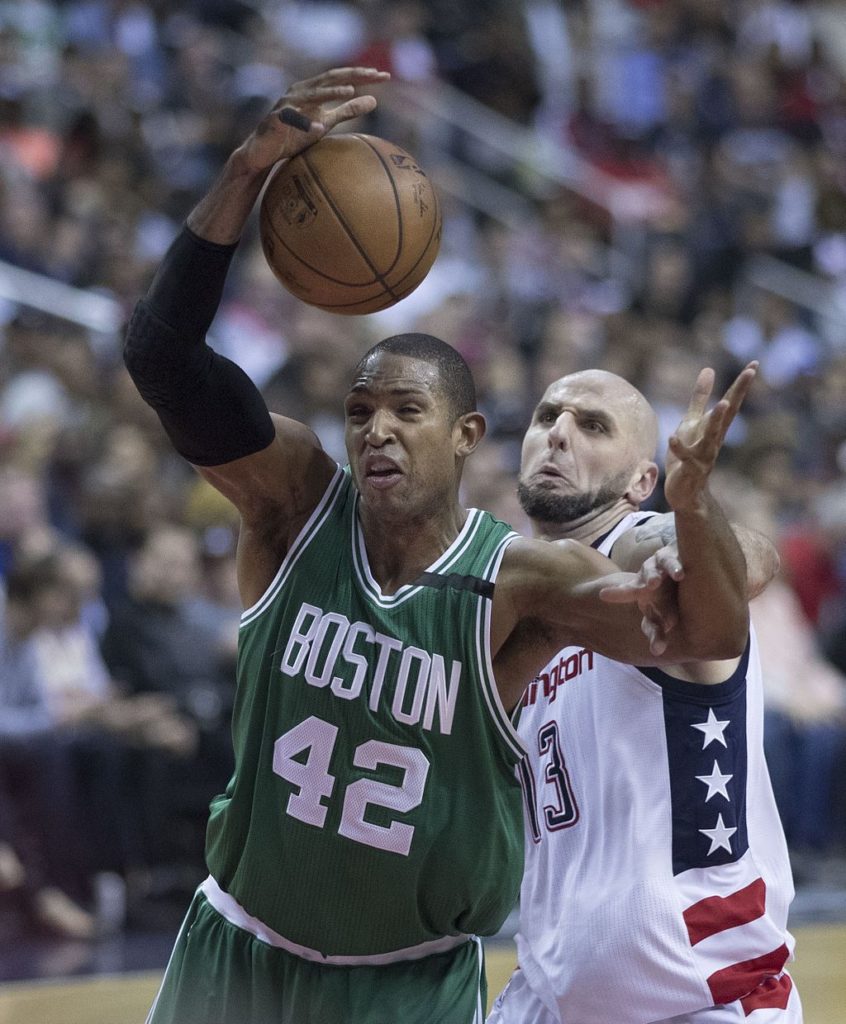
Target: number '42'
column 315, row 783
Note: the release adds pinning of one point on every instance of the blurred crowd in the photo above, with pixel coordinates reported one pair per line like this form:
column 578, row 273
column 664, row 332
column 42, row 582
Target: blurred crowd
column 118, row 604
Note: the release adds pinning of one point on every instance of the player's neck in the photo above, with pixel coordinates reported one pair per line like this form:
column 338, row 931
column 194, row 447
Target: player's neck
column 586, row 529
column 398, row 552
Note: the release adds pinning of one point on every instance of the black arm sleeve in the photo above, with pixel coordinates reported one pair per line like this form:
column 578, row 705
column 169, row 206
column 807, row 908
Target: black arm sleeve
column 211, row 410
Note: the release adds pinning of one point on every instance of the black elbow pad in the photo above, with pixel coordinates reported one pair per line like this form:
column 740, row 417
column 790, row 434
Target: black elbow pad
column 211, row 410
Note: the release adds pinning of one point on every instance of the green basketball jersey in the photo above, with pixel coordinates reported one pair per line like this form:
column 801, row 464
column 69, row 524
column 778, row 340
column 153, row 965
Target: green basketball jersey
column 374, row 805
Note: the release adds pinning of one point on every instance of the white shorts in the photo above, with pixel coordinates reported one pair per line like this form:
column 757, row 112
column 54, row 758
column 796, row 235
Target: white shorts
column 518, row 1004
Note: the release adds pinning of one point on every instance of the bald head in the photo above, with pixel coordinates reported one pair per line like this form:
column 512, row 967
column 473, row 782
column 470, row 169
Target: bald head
column 588, row 454
column 635, row 415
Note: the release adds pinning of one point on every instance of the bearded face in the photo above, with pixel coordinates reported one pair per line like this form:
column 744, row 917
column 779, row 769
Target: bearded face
column 546, row 504
column 586, row 451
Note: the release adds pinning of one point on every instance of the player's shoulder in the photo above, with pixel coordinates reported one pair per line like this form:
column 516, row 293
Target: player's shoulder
column 291, row 430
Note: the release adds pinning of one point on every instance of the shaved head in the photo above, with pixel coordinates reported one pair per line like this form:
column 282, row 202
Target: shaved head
column 641, row 423
column 589, row 449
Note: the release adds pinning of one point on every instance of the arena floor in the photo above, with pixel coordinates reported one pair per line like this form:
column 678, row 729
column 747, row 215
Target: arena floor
column 819, row 970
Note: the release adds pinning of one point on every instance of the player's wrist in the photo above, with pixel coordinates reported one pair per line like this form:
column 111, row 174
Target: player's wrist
column 247, row 163
column 694, row 503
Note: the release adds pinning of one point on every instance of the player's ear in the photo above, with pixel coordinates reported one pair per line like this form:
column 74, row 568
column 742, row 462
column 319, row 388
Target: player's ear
column 642, row 483
column 468, row 431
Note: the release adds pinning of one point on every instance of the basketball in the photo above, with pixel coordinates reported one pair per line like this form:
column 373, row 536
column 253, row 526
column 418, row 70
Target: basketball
column 351, row 225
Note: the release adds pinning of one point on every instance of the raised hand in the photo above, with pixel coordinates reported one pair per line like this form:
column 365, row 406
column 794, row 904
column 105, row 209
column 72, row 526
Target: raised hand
column 694, row 447
column 309, row 110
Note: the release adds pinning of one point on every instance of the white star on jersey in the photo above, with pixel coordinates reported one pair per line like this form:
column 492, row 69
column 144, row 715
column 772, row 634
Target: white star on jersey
column 716, row 783
column 712, row 729
column 720, row 836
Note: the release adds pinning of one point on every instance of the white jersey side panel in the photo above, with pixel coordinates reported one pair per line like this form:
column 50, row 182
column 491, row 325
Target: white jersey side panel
column 657, row 879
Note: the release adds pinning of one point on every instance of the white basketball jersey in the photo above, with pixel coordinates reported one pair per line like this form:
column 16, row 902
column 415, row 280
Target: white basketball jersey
column 657, row 879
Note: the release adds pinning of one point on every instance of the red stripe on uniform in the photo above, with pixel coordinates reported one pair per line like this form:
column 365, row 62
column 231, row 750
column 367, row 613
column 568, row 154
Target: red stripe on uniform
column 742, row 979
column 716, row 913
column 773, row 994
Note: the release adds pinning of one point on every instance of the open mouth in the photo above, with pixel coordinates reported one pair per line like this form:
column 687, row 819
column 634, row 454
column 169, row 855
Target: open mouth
column 381, row 473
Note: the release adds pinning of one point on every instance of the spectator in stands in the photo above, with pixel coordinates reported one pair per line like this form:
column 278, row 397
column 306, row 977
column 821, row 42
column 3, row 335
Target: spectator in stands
column 805, row 700
column 25, row 854
column 23, row 507
column 69, row 740
column 24, row 877
column 157, row 644
column 151, row 646
column 216, row 607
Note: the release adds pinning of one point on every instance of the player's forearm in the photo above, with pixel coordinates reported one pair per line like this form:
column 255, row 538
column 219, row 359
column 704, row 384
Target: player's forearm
column 713, row 608
column 188, row 286
column 221, row 215
column 761, row 557
column 557, row 588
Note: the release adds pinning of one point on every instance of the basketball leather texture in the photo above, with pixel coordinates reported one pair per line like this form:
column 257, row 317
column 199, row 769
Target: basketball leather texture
column 352, row 224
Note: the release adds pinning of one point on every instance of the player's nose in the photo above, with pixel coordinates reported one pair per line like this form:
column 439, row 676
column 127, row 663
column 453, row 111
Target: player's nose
column 559, row 432
column 379, row 429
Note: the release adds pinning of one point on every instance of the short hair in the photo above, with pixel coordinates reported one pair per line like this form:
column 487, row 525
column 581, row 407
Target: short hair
column 454, row 377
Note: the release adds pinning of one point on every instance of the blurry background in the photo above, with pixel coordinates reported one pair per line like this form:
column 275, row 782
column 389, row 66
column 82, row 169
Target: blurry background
column 647, row 186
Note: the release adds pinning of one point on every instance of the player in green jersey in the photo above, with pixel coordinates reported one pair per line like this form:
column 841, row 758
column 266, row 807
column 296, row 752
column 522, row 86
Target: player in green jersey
column 372, row 828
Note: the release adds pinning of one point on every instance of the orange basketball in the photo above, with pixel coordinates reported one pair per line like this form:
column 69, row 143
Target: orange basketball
column 351, row 225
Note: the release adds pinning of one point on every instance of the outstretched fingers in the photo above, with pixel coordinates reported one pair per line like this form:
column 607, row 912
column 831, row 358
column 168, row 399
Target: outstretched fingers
column 310, row 109
column 356, row 107
column 701, row 393
column 343, row 77
column 304, row 95
column 739, row 389
column 706, row 446
column 631, row 587
column 722, row 415
column 318, row 104
column 648, row 589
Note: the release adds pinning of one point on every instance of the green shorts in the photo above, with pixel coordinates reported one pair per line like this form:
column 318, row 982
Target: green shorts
column 220, row 974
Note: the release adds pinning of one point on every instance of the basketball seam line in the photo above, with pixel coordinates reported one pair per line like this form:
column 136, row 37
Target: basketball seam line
column 435, row 220
column 392, row 295
column 341, row 220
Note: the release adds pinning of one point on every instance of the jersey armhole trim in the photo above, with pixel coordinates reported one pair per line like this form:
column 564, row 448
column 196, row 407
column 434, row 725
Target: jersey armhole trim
column 301, row 542
column 703, row 693
column 498, row 714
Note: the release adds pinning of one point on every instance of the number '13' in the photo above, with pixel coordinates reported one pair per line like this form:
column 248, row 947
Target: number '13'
column 562, row 811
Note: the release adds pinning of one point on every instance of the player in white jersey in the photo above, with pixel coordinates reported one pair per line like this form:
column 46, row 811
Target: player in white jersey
column 657, row 880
